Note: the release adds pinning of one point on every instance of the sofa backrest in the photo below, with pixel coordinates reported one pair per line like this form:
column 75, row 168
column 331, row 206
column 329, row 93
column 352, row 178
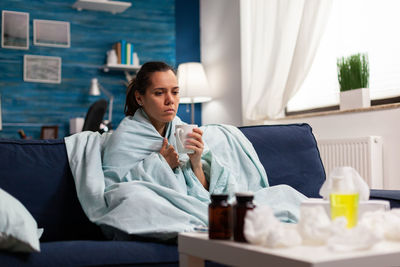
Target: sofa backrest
column 290, row 155
column 37, row 173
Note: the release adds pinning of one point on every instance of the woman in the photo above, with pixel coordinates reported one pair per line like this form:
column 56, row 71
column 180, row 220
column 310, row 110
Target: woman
column 135, row 183
column 155, row 91
column 151, row 104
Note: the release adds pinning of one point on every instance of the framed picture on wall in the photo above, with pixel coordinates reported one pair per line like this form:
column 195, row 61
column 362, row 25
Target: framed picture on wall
column 51, row 33
column 15, row 30
column 49, row 132
column 44, row 69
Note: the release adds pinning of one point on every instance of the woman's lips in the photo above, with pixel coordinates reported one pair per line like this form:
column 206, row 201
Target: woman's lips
column 170, row 111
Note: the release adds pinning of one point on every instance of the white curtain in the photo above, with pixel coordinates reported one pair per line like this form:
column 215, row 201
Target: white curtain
column 279, row 39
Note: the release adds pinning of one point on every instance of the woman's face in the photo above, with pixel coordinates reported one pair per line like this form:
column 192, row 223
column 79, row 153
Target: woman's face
column 161, row 99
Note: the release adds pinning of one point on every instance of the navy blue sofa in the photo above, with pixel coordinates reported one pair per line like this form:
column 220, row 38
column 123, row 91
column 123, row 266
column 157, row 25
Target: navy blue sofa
column 37, row 173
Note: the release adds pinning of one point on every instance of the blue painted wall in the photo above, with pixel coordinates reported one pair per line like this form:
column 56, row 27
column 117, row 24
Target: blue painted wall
column 148, row 24
column 187, row 25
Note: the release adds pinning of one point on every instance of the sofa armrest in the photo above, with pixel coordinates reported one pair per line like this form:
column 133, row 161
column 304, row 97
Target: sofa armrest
column 393, row 196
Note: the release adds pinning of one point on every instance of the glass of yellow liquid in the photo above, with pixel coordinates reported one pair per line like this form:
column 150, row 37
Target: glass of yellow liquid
column 345, row 204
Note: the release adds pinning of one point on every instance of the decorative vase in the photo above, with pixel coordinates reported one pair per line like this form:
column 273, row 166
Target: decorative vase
column 355, row 98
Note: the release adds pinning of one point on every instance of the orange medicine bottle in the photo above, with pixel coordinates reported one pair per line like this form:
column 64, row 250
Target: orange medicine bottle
column 219, row 218
column 244, row 202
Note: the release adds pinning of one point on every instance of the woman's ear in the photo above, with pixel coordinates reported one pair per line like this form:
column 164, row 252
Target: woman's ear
column 138, row 98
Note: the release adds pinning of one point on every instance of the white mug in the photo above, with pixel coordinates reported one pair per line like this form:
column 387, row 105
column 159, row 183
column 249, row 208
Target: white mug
column 181, row 135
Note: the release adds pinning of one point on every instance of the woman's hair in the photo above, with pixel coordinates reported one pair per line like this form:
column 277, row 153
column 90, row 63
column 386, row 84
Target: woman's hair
column 140, row 83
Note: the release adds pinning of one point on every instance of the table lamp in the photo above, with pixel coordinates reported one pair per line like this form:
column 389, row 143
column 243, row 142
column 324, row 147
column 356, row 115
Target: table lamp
column 95, row 88
column 193, row 85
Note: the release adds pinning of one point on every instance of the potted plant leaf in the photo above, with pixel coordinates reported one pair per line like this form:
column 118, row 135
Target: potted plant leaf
column 353, row 76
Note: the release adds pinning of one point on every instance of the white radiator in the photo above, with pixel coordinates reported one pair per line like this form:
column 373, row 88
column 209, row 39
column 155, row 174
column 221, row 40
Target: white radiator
column 362, row 153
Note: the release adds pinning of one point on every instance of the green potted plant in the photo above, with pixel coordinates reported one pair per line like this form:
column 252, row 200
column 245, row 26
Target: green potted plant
column 353, row 76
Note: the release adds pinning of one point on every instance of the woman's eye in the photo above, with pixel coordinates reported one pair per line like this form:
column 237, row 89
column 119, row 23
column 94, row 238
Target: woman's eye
column 158, row 93
column 176, row 93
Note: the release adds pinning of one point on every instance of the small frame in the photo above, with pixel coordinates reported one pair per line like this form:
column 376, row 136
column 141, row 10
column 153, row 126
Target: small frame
column 43, row 69
column 49, row 132
column 15, row 30
column 51, row 33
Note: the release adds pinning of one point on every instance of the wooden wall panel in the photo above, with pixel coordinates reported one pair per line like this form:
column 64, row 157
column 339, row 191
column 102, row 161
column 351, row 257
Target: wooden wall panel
column 149, row 24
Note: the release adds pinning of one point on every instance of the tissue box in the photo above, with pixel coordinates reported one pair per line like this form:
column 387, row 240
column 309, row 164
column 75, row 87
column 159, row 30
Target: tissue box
column 370, row 205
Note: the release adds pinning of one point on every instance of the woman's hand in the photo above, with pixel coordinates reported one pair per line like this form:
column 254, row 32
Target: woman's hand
column 195, row 142
column 170, row 155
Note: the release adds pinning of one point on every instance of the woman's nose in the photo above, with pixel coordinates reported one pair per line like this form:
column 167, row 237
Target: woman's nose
column 169, row 98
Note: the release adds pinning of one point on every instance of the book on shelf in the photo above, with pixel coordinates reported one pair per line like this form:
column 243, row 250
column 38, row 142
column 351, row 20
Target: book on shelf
column 117, row 48
column 131, row 53
column 123, row 52
column 126, row 54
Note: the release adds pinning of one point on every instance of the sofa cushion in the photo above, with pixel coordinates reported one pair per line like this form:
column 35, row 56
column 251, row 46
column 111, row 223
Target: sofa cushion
column 96, row 253
column 37, row 173
column 393, row 196
column 18, row 229
column 289, row 154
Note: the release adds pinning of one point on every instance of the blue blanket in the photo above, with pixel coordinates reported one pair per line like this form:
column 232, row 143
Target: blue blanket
column 122, row 180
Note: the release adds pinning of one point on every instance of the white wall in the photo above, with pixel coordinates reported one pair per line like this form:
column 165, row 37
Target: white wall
column 220, row 55
column 385, row 123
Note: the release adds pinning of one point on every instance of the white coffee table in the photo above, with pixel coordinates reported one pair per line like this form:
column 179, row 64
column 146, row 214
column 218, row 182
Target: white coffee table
column 194, row 248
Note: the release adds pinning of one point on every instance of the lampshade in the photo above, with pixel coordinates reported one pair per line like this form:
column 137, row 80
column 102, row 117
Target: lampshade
column 94, row 87
column 193, row 84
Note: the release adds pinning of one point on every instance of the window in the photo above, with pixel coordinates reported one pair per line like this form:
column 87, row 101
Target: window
column 355, row 26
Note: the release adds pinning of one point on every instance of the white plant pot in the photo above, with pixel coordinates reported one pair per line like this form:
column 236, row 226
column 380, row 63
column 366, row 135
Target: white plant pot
column 356, row 98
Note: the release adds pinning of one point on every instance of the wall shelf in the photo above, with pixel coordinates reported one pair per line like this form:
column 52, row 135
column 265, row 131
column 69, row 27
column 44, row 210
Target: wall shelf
column 127, row 69
column 102, row 5
column 120, row 67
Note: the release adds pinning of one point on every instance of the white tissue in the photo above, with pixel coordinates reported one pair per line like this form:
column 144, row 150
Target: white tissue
column 384, row 224
column 314, row 225
column 262, row 228
column 316, row 229
column 286, row 235
column 356, row 238
column 258, row 223
column 374, row 222
column 392, row 225
column 351, row 182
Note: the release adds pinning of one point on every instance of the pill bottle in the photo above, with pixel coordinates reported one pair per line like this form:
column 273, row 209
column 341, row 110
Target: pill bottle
column 344, row 201
column 244, row 202
column 219, row 217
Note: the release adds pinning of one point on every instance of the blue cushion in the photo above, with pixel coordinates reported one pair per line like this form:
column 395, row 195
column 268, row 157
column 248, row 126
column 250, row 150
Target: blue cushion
column 289, row 154
column 393, row 196
column 37, row 173
column 18, row 229
column 96, row 253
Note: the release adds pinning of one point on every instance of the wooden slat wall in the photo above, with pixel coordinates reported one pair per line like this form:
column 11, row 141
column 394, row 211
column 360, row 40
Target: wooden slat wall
column 149, row 24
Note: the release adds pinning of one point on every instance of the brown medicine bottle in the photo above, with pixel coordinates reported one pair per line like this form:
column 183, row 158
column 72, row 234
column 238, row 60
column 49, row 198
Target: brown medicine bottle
column 244, row 202
column 219, row 218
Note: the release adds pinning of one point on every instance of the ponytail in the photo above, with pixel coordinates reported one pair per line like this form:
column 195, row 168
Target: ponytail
column 131, row 105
